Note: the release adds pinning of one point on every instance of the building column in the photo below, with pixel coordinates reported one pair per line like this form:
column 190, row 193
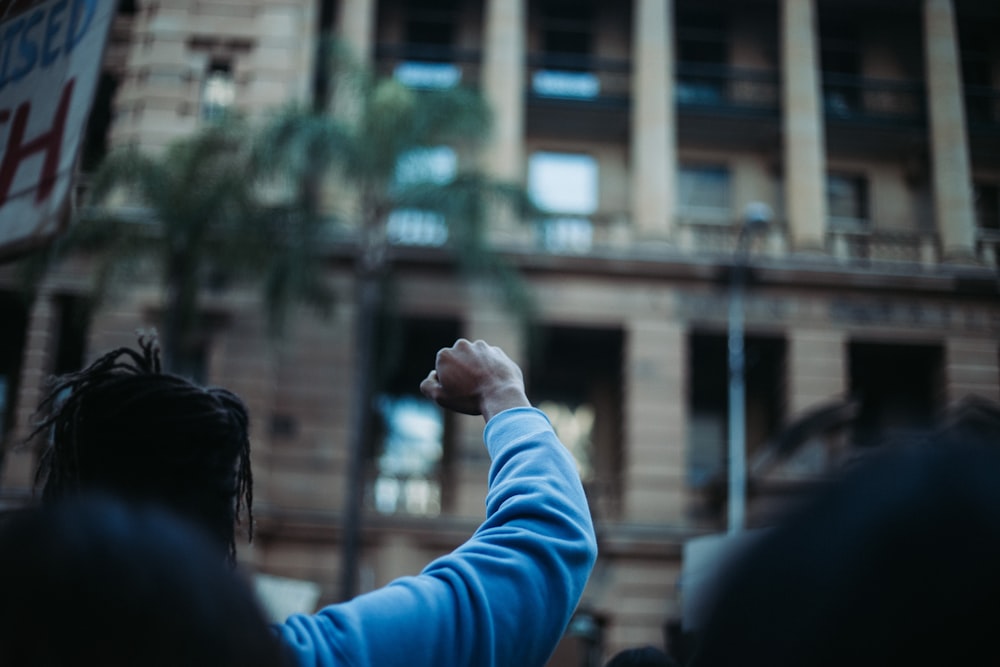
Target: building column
column 802, row 125
column 817, row 369
column 654, row 135
column 356, row 28
column 503, row 81
column 655, row 459
column 972, row 368
column 953, row 207
column 486, row 319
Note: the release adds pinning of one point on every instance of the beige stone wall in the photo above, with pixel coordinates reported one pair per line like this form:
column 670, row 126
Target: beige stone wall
column 655, row 422
column 637, row 594
column 269, row 45
column 817, row 369
column 972, row 368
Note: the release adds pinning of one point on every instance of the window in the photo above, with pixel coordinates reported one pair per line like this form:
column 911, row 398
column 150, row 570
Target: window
column 840, row 63
column 576, row 381
column 707, row 400
column 564, row 185
column 426, row 165
column 422, row 74
column 976, row 42
column 567, row 28
column 431, row 23
column 430, row 34
column 702, row 55
column 703, row 192
column 411, row 441
column 987, row 197
column 562, row 83
column 412, row 226
column 218, row 91
column 898, row 387
column 15, row 318
column 411, row 453
column 708, row 408
column 847, row 198
column 567, row 35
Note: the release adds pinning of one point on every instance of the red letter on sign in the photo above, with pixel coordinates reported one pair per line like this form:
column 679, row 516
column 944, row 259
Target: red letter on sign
column 50, row 142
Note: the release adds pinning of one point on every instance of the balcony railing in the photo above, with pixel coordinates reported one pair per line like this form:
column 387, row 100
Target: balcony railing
column 720, row 237
column 857, row 244
column 856, row 98
column 428, row 66
column 581, row 78
column 719, row 87
column 848, row 242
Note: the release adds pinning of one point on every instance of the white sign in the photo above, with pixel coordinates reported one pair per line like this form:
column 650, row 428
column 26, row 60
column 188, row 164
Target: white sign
column 281, row 597
column 50, row 60
column 705, row 560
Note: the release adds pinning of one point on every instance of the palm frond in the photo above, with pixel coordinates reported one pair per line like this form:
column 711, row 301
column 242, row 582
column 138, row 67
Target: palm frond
column 297, row 143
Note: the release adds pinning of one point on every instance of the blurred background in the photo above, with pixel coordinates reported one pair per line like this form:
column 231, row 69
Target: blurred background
column 734, row 245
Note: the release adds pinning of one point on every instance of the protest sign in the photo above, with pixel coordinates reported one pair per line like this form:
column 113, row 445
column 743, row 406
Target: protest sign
column 50, row 62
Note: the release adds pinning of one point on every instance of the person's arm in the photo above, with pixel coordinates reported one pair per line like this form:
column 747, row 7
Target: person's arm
column 505, row 596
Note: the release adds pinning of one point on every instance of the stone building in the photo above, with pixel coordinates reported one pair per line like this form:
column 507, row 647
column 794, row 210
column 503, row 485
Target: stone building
column 866, row 133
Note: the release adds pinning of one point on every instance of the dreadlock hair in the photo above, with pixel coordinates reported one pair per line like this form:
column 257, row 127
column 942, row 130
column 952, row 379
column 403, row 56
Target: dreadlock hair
column 123, row 426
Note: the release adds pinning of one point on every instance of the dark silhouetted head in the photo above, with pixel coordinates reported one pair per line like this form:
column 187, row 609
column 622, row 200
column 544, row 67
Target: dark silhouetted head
column 92, row 580
column 894, row 563
column 123, row 426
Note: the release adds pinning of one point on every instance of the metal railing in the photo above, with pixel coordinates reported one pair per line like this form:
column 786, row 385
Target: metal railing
column 722, row 87
column 857, row 245
column 428, row 66
column 849, row 243
column 722, row 237
column 855, row 98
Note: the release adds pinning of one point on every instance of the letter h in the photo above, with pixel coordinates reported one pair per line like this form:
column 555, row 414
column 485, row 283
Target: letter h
column 49, row 142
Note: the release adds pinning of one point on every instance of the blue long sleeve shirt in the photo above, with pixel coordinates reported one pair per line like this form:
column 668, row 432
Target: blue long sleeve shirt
column 503, row 598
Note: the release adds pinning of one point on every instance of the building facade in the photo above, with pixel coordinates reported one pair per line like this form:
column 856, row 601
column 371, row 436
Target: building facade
column 657, row 134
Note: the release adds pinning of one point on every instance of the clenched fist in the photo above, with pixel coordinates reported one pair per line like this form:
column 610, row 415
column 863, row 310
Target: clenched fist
column 475, row 379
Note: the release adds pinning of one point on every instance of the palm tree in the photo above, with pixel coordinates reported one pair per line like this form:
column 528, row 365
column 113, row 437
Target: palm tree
column 191, row 215
column 359, row 140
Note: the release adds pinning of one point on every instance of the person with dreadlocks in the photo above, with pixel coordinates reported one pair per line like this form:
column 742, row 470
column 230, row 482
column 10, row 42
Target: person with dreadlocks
column 125, row 427
column 504, row 597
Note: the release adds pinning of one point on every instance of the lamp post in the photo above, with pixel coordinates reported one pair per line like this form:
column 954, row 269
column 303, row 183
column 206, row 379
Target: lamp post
column 756, row 217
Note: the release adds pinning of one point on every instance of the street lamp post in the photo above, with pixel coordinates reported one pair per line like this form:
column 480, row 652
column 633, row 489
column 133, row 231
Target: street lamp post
column 756, row 216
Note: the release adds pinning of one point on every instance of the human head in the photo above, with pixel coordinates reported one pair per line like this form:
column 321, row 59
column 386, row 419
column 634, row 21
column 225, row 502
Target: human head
column 92, row 580
column 123, row 426
column 641, row 656
column 895, row 562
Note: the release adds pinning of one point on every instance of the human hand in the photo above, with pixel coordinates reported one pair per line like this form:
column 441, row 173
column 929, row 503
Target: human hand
column 475, row 379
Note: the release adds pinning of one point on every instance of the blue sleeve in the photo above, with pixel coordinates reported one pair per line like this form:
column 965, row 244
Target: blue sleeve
column 502, row 598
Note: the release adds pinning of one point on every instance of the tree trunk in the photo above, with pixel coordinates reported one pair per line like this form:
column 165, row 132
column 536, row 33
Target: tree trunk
column 178, row 311
column 368, row 302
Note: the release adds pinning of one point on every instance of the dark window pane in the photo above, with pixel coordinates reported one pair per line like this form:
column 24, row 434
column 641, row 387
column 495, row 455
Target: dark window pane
column 847, row 196
column 704, row 186
column 987, row 206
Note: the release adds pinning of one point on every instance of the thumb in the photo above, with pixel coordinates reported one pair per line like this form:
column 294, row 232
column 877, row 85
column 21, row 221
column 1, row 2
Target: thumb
column 431, row 386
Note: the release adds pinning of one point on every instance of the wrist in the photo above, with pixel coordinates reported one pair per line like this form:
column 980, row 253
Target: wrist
column 502, row 398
